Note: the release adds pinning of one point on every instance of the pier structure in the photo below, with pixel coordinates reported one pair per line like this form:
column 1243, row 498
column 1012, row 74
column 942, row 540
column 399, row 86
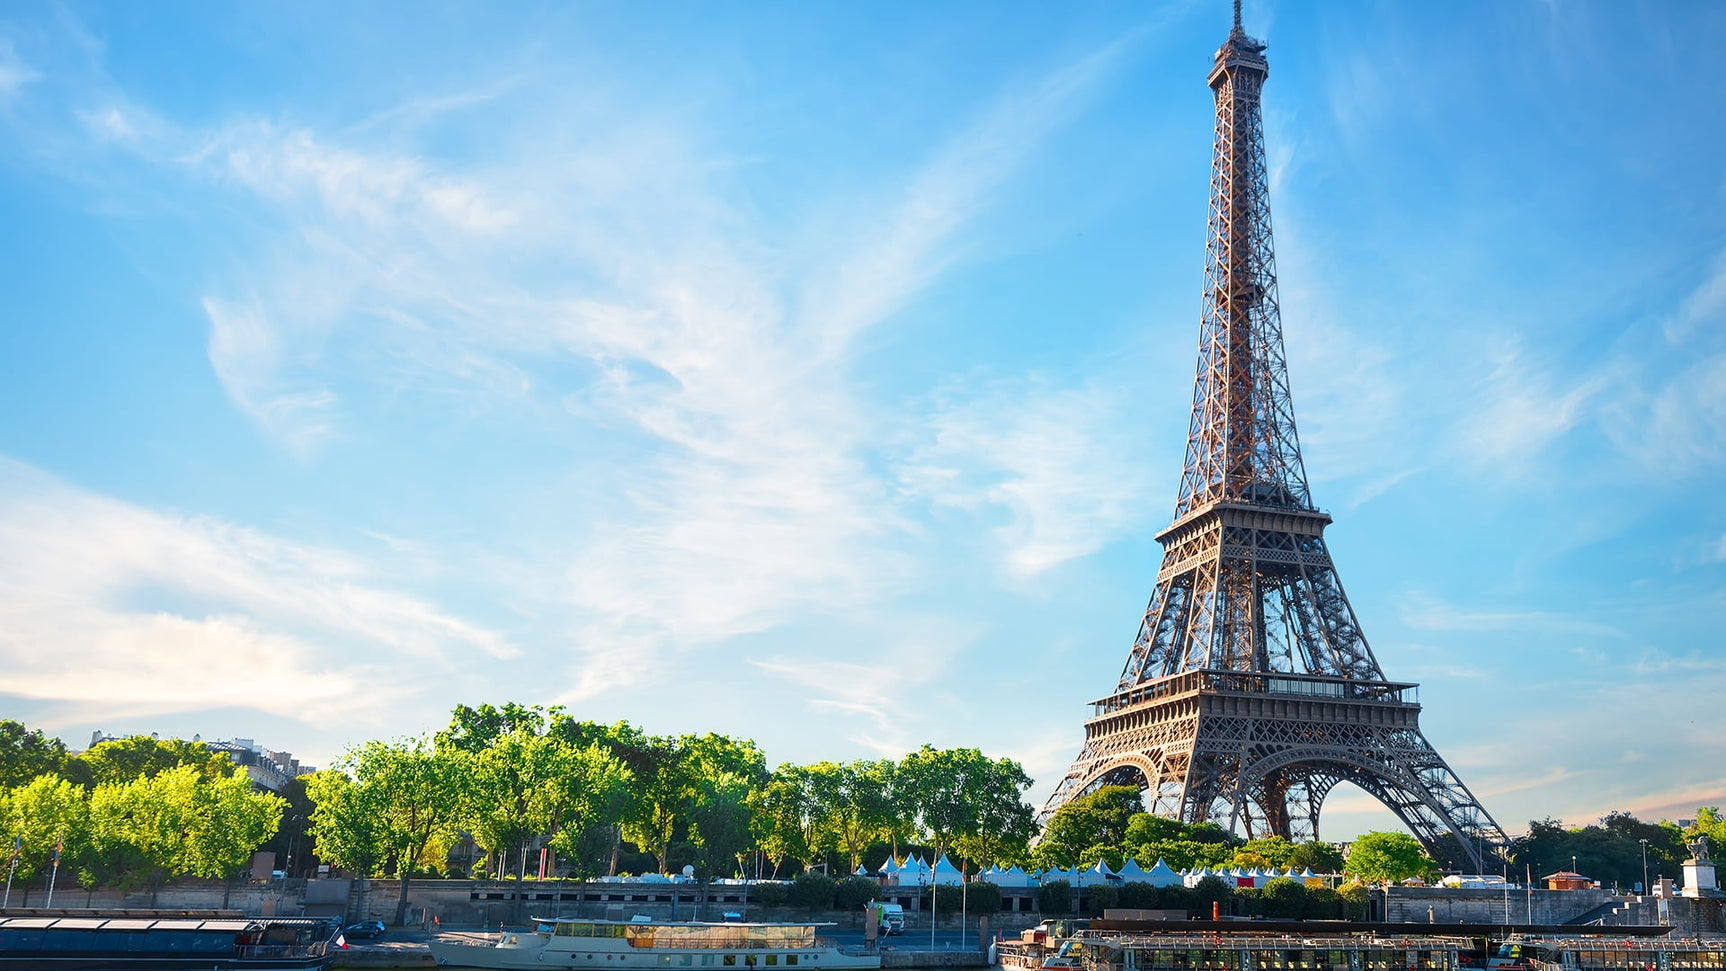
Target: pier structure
column 1250, row 691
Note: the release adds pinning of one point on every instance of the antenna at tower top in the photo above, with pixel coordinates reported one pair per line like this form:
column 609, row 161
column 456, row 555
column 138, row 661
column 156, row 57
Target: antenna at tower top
column 1237, row 14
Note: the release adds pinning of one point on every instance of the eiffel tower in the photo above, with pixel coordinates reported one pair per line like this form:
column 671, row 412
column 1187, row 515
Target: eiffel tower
column 1251, row 692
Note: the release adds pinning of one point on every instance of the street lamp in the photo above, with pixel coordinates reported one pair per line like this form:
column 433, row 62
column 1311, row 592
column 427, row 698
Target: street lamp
column 1644, row 865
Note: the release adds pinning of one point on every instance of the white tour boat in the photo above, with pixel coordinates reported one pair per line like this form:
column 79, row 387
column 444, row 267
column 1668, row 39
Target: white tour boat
column 556, row 942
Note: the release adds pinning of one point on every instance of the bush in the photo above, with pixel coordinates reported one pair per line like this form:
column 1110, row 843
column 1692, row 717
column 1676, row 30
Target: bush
column 1247, row 902
column 985, row 898
column 852, row 893
column 1137, row 895
column 770, row 894
column 812, row 891
column 1055, row 898
column 1284, row 898
column 1176, row 898
column 1211, row 889
column 1355, row 901
column 1323, row 903
column 1098, row 899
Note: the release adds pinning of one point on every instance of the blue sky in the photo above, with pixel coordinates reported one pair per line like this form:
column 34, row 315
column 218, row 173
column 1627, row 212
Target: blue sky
column 819, row 372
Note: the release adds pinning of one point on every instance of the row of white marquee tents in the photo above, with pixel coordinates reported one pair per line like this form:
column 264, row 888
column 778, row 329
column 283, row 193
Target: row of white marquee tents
column 916, row 873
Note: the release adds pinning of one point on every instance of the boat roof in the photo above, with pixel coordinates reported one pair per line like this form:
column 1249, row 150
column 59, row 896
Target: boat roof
column 687, row 923
column 212, row 924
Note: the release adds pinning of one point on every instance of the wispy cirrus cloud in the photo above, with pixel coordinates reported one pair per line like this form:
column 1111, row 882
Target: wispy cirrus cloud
column 1063, row 464
column 145, row 612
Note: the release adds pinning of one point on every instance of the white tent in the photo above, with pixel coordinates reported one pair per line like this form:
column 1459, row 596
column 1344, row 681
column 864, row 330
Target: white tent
column 912, row 873
column 1162, row 875
column 946, row 874
column 1131, row 872
column 1011, row 877
column 1099, row 874
column 890, row 867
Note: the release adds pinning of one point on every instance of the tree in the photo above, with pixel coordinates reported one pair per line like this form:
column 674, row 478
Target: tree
column 853, row 803
column 346, row 824
column 26, row 753
column 179, row 821
column 124, row 759
column 589, row 799
column 1005, row 823
column 787, row 818
column 719, row 823
column 510, row 781
column 1317, row 857
column 1388, row 857
column 1055, row 898
column 1709, row 823
column 959, row 793
column 417, row 793
column 1266, row 851
column 1086, row 825
column 1211, row 890
column 661, row 797
column 44, row 811
column 1285, row 898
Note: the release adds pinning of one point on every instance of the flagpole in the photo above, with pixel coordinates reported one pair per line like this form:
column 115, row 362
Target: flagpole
column 17, row 848
column 58, row 846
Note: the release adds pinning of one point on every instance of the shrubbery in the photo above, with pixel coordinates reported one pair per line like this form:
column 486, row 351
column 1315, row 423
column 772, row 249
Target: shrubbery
column 1055, row 898
column 812, row 891
column 770, row 894
column 852, row 893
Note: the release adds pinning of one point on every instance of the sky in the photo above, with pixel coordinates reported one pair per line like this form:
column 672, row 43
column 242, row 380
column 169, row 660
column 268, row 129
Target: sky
column 819, row 372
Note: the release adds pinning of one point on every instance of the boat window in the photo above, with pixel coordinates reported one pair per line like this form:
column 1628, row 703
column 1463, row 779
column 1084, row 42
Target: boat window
column 730, row 960
column 685, row 961
column 790, row 959
column 772, row 959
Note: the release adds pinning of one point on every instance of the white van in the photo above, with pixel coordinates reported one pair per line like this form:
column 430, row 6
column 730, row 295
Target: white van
column 893, row 916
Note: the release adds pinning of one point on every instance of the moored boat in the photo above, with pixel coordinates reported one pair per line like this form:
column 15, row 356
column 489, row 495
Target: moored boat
column 557, row 942
column 145, row 943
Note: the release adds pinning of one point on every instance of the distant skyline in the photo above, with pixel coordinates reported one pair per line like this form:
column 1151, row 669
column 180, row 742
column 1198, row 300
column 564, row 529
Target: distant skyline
column 819, row 373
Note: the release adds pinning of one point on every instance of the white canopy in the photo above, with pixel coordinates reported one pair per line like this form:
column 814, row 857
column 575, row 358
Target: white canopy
column 946, row 874
column 1162, row 875
column 1011, row 877
column 1131, row 872
column 890, row 867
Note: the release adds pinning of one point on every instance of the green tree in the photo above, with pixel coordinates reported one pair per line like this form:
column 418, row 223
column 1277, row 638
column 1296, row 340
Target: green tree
column 788, row 819
column 346, row 823
column 1390, row 857
column 417, row 793
column 960, row 792
column 44, row 811
column 1055, row 898
column 589, row 798
column 1285, row 898
column 1266, row 851
column 1317, row 857
column 853, row 804
column 1088, row 824
column 511, row 781
column 1005, row 823
column 1211, row 890
column 719, row 824
column 662, row 796
column 124, row 759
column 1709, row 823
column 26, row 753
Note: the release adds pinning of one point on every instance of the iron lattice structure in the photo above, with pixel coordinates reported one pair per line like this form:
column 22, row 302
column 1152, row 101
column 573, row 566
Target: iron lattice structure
column 1250, row 692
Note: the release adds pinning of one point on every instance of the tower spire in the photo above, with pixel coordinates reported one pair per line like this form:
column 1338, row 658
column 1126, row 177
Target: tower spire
column 1250, row 691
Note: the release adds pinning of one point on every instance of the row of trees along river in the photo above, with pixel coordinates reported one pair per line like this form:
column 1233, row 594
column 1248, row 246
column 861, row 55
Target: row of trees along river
column 610, row 799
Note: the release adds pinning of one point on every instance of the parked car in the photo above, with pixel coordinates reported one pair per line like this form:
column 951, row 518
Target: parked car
column 365, row 930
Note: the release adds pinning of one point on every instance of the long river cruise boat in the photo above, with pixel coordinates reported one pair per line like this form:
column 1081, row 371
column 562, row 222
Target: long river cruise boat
column 591, row 945
column 139, row 943
column 1245, row 948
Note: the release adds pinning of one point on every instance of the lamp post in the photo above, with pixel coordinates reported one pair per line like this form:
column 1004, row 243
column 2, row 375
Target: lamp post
column 1644, row 865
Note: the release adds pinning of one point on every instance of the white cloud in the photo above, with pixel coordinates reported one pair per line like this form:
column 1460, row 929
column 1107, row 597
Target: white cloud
column 1423, row 612
column 1063, row 464
column 14, row 73
column 1521, row 410
column 147, row 612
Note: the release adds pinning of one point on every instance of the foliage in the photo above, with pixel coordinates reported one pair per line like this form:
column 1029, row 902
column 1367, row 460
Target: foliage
column 1210, row 890
column 1381, row 857
column 1610, row 851
column 125, row 759
column 1098, row 899
column 964, row 799
column 1284, row 898
column 1055, row 898
column 983, row 897
column 770, row 894
column 1709, row 823
column 180, row 821
column 1150, row 838
column 346, row 825
column 42, row 812
column 26, row 753
column 1317, row 857
column 812, row 891
column 1087, row 825
column 852, row 893
column 1355, row 901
